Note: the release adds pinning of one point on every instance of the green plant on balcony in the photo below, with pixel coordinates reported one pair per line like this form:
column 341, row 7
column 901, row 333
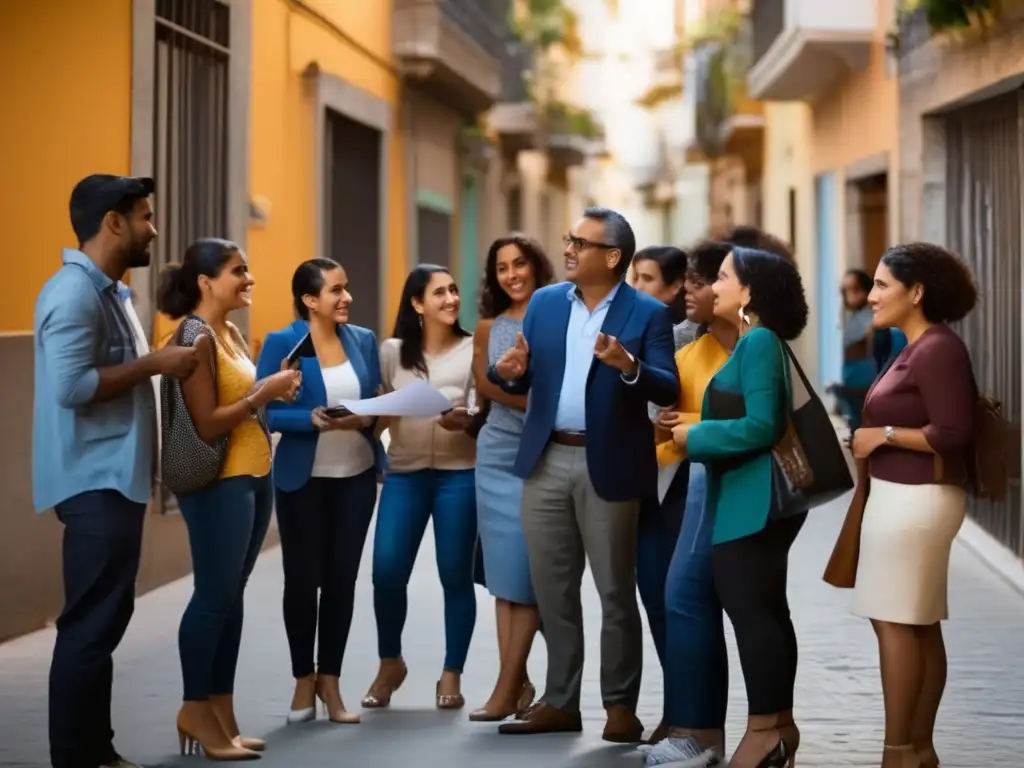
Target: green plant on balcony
column 474, row 133
column 543, row 24
column 563, row 118
column 943, row 15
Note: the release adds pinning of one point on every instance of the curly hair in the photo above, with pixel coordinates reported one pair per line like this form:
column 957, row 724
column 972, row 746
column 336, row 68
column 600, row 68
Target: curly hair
column 950, row 291
column 776, row 290
column 493, row 299
column 758, row 240
column 705, row 259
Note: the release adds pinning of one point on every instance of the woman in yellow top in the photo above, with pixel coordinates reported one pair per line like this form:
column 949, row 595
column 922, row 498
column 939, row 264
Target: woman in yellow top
column 227, row 520
column 696, row 664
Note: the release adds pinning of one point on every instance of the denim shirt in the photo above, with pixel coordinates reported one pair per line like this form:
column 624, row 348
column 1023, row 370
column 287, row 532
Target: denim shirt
column 82, row 323
column 580, row 338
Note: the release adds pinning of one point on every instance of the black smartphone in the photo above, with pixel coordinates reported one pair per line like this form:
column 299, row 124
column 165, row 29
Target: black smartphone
column 336, row 412
column 304, row 348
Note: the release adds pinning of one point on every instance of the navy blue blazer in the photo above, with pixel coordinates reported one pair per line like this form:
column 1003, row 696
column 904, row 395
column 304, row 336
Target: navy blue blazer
column 293, row 461
column 620, row 436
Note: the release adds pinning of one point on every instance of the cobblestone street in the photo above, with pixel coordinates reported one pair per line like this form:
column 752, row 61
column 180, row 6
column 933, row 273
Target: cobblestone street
column 838, row 697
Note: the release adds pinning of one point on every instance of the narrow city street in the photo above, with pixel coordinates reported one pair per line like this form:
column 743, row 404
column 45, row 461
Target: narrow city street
column 838, row 698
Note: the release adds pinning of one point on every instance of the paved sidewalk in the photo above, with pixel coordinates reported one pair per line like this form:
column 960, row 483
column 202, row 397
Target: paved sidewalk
column 838, row 697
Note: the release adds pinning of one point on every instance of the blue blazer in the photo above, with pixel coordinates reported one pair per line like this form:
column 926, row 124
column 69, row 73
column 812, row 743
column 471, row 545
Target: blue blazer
column 620, row 437
column 293, row 461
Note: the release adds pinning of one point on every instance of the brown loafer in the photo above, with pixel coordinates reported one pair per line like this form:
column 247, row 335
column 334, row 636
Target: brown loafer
column 543, row 718
column 622, row 726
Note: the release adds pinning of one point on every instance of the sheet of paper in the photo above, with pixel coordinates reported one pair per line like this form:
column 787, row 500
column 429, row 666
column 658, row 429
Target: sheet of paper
column 418, row 400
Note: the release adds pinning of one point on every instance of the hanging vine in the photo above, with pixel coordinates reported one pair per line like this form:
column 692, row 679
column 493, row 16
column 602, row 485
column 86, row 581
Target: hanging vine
column 714, row 99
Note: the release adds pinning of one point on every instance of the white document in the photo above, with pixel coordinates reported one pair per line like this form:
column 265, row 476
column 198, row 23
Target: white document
column 418, row 400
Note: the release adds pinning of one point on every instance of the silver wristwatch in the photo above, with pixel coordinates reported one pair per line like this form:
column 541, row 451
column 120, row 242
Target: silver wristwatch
column 890, row 434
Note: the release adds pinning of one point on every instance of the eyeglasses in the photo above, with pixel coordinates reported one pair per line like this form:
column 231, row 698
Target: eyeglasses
column 577, row 244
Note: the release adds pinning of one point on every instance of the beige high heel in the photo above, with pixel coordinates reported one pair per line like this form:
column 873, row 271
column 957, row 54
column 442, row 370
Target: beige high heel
column 384, row 687
column 340, row 715
column 190, row 743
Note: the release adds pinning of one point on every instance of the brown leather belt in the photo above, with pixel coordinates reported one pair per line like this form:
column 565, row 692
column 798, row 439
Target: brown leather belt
column 570, row 439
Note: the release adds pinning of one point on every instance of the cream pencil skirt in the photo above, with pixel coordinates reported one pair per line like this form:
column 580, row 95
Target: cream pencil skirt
column 905, row 541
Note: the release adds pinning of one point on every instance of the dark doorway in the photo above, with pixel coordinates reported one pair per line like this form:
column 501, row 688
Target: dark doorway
column 434, row 237
column 873, row 202
column 352, row 212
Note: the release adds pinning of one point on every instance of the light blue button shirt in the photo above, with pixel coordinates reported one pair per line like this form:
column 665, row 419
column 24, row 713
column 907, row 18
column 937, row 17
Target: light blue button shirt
column 580, row 338
column 81, row 325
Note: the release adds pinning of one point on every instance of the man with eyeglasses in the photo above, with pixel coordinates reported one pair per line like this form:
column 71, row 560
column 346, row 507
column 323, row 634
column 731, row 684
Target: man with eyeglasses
column 592, row 354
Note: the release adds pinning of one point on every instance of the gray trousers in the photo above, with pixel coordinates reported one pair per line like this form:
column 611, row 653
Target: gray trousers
column 566, row 523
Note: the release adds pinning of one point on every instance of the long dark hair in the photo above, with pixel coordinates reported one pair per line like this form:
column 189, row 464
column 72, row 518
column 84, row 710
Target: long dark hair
column 493, row 299
column 408, row 329
column 308, row 280
column 673, row 263
column 177, row 291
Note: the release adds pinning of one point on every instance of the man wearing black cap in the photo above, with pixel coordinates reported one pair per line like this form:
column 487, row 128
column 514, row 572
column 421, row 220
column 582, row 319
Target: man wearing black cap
column 95, row 450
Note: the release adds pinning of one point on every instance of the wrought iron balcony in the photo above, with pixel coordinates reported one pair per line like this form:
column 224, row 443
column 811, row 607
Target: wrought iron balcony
column 570, row 134
column 514, row 117
column 453, row 49
column 801, row 47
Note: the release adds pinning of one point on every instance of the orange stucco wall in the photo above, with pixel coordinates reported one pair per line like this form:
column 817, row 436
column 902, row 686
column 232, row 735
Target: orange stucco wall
column 286, row 39
column 859, row 117
column 65, row 98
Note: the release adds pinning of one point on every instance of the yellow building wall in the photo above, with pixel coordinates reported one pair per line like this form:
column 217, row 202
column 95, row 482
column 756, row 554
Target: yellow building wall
column 287, row 37
column 787, row 166
column 859, row 117
column 66, row 106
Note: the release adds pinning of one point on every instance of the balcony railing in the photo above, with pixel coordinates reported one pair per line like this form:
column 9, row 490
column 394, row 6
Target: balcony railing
column 453, row 49
column 769, row 20
column 516, row 64
column 483, row 21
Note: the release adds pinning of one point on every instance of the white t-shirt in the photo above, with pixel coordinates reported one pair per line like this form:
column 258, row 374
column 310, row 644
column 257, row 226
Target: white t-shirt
column 341, row 453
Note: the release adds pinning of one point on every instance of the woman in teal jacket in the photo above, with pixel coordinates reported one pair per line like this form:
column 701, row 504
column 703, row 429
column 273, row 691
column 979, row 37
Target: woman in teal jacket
column 744, row 414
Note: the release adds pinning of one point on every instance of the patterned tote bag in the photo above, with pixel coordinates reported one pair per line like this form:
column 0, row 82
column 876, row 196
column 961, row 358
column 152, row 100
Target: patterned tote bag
column 187, row 462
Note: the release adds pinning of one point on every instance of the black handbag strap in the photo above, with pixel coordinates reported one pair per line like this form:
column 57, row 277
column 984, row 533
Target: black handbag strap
column 811, row 392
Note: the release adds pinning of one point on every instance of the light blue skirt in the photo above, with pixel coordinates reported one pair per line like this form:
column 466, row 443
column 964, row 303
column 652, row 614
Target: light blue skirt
column 499, row 494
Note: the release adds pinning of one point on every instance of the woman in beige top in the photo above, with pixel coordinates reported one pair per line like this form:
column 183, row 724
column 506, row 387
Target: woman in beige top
column 430, row 475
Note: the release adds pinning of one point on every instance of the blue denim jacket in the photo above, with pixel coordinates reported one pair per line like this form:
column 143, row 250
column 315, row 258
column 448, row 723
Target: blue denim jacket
column 81, row 325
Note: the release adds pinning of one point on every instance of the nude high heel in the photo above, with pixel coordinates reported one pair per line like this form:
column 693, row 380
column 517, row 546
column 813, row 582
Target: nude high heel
column 191, row 742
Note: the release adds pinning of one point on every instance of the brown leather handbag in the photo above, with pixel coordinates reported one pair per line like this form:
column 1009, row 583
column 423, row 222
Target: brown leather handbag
column 841, row 570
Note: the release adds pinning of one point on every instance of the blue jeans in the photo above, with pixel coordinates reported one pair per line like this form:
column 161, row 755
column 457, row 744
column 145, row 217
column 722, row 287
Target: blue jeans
column 658, row 531
column 407, row 501
column 227, row 522
column 696, row 663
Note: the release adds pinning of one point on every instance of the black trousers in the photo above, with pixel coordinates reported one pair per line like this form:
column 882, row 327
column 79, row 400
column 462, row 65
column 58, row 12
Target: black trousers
column 102, row 546
column 750, row 578
column 323, row 528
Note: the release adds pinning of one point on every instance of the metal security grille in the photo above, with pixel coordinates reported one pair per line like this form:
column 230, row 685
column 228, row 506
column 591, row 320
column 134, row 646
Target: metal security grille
column 190, row 128
column 985, row 145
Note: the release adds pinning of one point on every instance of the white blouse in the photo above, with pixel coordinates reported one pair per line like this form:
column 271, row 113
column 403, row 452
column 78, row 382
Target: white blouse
column 341, row 453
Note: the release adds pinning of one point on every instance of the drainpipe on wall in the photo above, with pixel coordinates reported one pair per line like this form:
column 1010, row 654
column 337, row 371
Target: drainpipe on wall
column 412, row 180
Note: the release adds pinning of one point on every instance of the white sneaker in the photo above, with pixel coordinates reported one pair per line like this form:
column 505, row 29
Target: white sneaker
column 683, row 753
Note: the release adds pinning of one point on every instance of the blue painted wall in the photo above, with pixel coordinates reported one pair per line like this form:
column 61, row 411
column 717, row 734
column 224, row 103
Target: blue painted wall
column 828, row 309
